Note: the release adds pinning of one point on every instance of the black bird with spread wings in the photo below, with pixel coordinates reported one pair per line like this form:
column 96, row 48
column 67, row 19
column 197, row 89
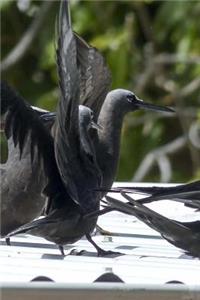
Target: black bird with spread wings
column 69, row 159
column 25, row 191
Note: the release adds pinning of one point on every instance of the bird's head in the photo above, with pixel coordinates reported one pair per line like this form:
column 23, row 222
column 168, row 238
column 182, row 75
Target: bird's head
column 86, row 118
column 128, row 101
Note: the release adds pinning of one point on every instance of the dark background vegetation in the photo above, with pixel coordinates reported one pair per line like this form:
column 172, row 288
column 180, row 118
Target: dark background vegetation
column 152, row 48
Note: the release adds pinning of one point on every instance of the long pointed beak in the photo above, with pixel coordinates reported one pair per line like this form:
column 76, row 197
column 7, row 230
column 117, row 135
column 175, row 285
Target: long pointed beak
column 96, row 126
column 149, row 106
column 48, row 116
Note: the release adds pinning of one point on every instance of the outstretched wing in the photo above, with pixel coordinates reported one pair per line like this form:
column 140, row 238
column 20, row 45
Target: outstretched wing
column 21, row 121
column 95, row 76
column 67, row 140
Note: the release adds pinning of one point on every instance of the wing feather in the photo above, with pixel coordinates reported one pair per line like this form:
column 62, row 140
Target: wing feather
column 67, row 131
column 95, row 76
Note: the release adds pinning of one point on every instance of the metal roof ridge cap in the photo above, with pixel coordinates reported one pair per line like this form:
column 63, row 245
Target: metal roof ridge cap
column 100, row 286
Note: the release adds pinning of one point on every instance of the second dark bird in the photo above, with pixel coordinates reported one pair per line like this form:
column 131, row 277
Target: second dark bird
column 184, row 235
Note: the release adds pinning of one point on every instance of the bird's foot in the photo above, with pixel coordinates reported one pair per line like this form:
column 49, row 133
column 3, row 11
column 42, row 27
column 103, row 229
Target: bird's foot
column 61, row 248
column 101, row 252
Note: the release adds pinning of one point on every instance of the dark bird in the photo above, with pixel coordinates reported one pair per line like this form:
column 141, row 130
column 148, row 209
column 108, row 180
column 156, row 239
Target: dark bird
column 184, row 235
column 65, row 221
column 69, row 160
column 22, row 177
column 27, row 179
column 117, row 104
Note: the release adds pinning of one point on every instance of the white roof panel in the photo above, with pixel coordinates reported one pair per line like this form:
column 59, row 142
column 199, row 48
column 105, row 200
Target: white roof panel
column 148, row 259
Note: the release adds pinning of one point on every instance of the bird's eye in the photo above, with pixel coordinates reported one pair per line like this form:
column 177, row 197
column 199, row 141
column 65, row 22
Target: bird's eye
column 91, row 115
column 131, row 97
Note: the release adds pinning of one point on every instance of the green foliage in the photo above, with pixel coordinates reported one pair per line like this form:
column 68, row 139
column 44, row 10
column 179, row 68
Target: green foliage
column 131, row 35
column 4, row 4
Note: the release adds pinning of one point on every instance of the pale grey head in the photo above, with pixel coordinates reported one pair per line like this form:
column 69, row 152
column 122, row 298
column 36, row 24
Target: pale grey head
column 86, row 118
column 128, row 101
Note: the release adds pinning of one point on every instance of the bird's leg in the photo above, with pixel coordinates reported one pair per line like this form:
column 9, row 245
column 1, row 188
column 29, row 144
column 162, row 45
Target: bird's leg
column 60, row 247
column 99, row 213
column 8, row 241
column 100, row 251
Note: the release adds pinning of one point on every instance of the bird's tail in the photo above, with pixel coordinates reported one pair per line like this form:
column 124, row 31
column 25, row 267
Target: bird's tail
column 28, row 227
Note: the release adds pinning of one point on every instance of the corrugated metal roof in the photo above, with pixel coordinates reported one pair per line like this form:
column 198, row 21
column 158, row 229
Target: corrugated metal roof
column 148, row 259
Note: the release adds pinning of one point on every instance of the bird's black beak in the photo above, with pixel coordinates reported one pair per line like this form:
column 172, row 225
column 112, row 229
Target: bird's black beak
column 49, row 116
column 149, row 106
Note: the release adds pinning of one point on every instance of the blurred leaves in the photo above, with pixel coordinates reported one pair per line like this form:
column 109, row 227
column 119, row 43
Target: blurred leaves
column 152, row 48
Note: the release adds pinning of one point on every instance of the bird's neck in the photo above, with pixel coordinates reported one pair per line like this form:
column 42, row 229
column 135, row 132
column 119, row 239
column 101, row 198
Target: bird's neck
column 86, row 142
column 108, row 146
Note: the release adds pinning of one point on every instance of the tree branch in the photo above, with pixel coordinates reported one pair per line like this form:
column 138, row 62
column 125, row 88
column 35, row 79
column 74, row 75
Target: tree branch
column 168, row 58
column 194, row 134
column 20, row 49
column 160, row 156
